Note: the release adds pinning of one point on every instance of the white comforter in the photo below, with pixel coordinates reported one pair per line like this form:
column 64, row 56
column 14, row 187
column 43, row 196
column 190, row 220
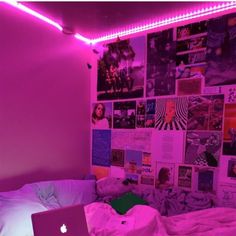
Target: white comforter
column 146, row 221
column 15, row 219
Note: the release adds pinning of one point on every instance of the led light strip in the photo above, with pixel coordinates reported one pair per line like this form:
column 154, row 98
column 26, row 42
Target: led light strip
column 195, row 14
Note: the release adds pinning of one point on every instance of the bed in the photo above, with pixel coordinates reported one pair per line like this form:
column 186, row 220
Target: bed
column 17, row 206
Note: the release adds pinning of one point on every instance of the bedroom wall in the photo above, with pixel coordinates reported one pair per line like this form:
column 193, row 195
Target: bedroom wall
column 44, row 97
column 179, row 116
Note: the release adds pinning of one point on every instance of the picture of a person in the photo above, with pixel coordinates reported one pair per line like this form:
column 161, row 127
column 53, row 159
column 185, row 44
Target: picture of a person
column 99, row 121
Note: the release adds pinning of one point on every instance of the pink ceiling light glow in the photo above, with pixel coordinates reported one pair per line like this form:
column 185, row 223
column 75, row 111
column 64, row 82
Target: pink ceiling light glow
column 175, row 19
column 191, row 15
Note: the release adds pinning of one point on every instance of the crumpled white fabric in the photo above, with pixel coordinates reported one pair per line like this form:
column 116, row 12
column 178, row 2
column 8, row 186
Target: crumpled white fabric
column 147, row 221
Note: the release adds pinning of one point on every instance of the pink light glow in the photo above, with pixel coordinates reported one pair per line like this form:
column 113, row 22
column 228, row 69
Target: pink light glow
column 175, row 19
column 33, row 13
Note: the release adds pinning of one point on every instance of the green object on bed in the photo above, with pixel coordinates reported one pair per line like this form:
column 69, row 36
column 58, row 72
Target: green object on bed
column 126, row 202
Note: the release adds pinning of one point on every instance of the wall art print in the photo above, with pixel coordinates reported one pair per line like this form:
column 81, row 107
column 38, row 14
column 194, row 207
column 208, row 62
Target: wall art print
column 121, row 70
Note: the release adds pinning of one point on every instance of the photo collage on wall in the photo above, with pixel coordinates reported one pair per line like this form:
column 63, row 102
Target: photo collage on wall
column 191, row 58
column 166, row 106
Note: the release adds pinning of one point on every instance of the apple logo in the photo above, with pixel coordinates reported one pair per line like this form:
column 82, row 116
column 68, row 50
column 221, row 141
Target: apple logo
column 63, row 229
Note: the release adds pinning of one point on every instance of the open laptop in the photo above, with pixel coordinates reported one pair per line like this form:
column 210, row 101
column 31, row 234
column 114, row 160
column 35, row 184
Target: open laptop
column 67, row 221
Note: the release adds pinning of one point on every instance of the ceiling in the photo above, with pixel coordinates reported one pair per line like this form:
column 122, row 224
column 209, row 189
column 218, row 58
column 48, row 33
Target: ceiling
column 93, row 19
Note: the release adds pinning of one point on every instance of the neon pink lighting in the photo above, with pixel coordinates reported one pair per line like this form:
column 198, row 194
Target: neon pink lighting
column 33, row 13
column 175, row 19
column 195, row 14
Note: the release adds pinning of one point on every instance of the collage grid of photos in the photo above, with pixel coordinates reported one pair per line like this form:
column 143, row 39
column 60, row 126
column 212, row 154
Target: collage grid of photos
column 156, row 121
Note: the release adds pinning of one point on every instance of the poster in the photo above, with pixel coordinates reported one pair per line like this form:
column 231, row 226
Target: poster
column 141, row 113
column 124, row 114
column 117, row 157
column 168, row 146
column 101, row 147
column 100, row 171
column 133, row 140
column 165, row 173
column 133, row 161
column 205, row 179
column 221, row 51
column 203, row 148
column 171, row 113
column 230, row 93
column 150, row 113
column 229, row 139
column 161, row 47
column 184, row 174
column 228, row 169
column 205, row 112
column 101, row 115
column 148, row 170
column 226, row 195
column 121, row 70
column 189, row 86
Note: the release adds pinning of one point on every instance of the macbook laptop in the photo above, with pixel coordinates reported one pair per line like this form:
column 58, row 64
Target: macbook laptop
column 67, row 221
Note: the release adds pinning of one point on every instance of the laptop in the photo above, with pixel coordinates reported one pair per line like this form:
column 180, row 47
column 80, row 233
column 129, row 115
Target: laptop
column 66, row 221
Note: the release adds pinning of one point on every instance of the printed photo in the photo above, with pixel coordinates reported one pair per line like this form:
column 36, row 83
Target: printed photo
column 117, row 157
column 171, row 113
column 203, row 148
column 205, row 180
column 102, row 115
column 221, row 51
column 124, row 114
column 161, row 53
column 141, row 112
column 232, row 168
column 205, row 112
column 197, row 28
column 164, row 175
column 133, row 161
column 185, row 177
column 229, row 141
column 121, row 70
column 189, row 86
column 150, row 113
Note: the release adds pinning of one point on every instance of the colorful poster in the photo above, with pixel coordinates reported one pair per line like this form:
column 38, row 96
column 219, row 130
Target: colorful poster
column 203, row 148
column 221, row 51
column 121, row 70
column 117, row 157
column 101, row 115
column 133, row 161
column 124, row 114
column 229, row 141
column 189, row 86
column 150, row 113
column 205, row 112
column 101, row 147
column 100, row 171
column 164, row 175
column 205, row 179
column 171, row 113
column 148, row 170
column 161, row 49
column 141, row 112
column 185, row 177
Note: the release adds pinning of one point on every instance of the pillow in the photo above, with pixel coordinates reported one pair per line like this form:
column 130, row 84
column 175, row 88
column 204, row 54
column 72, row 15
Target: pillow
column 71, row 192
column 110, row 186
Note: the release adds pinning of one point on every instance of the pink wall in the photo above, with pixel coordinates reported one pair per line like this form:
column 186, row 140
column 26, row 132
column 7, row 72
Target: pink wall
column 44, row 102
